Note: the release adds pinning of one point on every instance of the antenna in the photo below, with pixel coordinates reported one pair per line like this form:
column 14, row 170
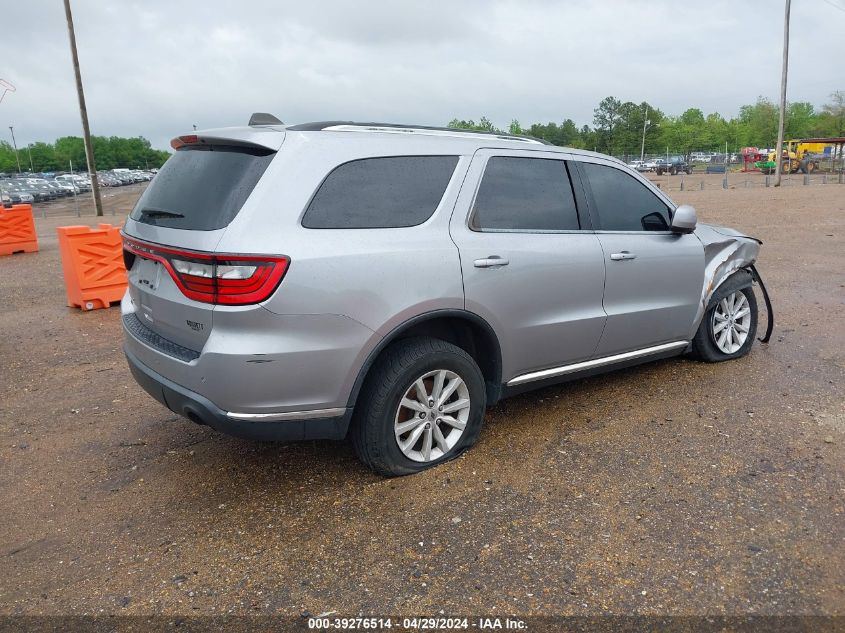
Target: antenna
column 263, row 118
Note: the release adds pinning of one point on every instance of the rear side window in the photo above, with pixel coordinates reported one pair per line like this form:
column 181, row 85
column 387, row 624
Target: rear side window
column 528, row 194
column 623, row 203
column 375, row 193
column 202, row 188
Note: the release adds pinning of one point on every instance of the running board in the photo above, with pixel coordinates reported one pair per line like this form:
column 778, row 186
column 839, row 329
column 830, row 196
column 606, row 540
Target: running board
column 591, row 364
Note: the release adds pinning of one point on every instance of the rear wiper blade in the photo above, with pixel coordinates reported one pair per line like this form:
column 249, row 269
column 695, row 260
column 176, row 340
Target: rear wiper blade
column 160, row 213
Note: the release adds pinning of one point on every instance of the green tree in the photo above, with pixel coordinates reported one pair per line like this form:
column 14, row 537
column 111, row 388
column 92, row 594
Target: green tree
column 759, row 123
column 109, row 152
column 606, row 120
column 71, row 149
column 44, row 157
column 716, row 131
column 8, row 164
column 565, row 134
column 799, row 120
column 686, row 133
column 832, row 119
column 484, row 125
column 628, row 136
column 588, row 138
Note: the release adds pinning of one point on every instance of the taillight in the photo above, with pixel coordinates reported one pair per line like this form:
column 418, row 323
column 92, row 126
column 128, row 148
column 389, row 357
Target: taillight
column 221, row 279
column 181, row 141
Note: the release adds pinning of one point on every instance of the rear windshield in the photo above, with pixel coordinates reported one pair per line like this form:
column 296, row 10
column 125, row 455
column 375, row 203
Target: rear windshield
column 202, row 188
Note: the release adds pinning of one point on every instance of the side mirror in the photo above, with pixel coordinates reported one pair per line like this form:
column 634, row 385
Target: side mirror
column 684, row 220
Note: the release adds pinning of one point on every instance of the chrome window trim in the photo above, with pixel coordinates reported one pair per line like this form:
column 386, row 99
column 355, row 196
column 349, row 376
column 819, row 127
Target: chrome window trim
column 520, row 153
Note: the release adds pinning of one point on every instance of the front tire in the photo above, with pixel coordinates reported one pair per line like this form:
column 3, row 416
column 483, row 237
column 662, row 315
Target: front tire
column 728, row 327
column 422, row 404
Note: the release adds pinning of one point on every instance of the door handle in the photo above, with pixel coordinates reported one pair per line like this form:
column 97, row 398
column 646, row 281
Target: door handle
column 618, row 257
column 494, row 261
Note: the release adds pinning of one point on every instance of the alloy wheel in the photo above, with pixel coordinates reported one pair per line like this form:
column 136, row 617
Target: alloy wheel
column 731, row 322
column 432, row 415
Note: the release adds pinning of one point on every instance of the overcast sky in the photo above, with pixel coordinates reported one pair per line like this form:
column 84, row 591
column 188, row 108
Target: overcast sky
column 156, row 67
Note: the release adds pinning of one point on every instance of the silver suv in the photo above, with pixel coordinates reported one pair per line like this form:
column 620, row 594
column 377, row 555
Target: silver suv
column 388, row 283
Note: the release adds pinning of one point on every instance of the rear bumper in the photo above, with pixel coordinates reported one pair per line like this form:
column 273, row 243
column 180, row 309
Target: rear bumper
column 201, row 410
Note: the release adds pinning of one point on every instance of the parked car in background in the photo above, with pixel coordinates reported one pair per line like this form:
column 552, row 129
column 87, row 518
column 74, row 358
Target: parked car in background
column 59, row 190
column 674, row 165
column 47, row 189
column 38, row 194
column 390, row 283
column 16, row 196
column 67, row 186
column 107, row 180
column 80, row 181
column 639, row 165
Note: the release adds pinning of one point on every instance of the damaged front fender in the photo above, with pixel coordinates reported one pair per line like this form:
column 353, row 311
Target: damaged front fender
column 725, row 252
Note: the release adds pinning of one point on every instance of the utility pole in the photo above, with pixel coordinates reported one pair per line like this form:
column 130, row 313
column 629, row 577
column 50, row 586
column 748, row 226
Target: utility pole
column 15, row 145
column 778, row 150
column 28, row 151
column 645, row 127
column 83, row 112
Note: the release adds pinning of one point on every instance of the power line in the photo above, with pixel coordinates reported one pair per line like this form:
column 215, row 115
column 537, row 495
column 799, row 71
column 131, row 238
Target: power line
column 835, row 5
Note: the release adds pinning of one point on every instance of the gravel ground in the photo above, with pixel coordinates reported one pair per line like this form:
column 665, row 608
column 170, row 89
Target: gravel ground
column 675, row 488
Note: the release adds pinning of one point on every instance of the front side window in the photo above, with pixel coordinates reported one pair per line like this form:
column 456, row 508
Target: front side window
column 623, row 203
column 386, row 192
column 525, row 194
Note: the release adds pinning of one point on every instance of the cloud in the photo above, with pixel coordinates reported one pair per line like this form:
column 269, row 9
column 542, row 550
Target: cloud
column 156, row 67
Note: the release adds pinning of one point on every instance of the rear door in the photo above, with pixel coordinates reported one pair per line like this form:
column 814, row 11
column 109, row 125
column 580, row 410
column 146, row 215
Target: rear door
column 532, row 268
column 654, row 276
column 187, row 207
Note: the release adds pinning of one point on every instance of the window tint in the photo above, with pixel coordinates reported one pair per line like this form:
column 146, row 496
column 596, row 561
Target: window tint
column 525, row 194
column 380, row 193
column 203, row 188
column 622, row 203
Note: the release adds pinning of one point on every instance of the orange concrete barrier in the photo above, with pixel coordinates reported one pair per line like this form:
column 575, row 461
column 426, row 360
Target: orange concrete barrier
column 17, row 230
column 92, row 260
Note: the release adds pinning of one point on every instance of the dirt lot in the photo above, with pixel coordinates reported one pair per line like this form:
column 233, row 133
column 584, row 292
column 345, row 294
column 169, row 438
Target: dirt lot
column 674, row 488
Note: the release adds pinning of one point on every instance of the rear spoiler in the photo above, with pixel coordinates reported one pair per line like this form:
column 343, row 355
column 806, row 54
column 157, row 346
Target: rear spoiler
column 264, row 138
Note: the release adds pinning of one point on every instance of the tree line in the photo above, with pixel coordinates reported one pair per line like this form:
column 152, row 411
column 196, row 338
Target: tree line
column 618, row 127
column 109, row 152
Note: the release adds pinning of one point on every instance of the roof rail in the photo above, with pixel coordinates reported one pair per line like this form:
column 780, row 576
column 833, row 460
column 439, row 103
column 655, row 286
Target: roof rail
column 395, row 128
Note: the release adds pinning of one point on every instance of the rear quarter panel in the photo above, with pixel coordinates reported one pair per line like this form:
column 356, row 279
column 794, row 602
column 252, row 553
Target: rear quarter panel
column 378, row 277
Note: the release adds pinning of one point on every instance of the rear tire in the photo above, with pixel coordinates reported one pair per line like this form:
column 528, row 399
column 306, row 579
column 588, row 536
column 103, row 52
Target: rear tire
column 396, row 429
column 728, row 328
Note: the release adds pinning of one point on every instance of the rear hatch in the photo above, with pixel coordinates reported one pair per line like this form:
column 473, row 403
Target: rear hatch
column 175, row 276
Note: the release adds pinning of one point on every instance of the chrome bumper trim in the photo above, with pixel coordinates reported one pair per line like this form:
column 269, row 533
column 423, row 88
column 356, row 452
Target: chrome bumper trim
column 288, row 415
